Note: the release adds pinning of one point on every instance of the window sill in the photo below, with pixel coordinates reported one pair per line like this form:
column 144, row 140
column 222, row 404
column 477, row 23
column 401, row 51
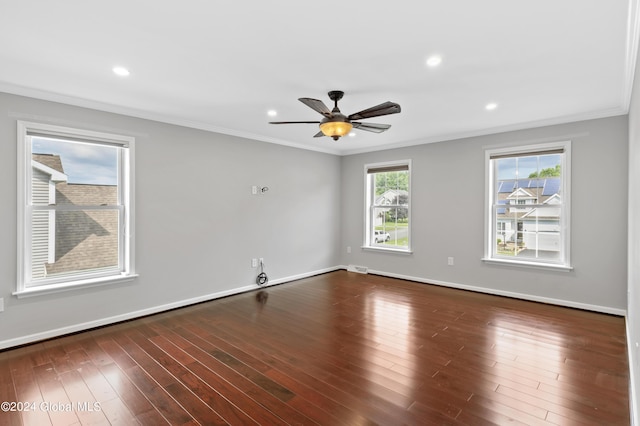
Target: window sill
column 75, row 285
column 386, row 250
column 520, row 263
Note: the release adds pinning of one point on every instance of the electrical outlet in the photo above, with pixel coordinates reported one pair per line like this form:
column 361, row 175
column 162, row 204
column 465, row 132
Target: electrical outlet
column 254, row 189
column 254, row 262
column 1, row 304
column 349, row 249
column 261, row 260
column 450, row 261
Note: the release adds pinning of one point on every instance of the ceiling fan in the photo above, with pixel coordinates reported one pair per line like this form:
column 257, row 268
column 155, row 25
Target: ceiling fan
column 335, row 124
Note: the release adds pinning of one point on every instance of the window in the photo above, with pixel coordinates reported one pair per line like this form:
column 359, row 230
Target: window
column 75, row 206
column 528, row 205
column 388, row 216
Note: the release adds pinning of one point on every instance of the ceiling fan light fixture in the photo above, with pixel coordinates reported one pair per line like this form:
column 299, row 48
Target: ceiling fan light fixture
column 335, row 129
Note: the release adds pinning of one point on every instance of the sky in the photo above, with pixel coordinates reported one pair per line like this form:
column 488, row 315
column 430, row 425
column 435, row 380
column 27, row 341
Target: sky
column 82, row 162
column 522, row 167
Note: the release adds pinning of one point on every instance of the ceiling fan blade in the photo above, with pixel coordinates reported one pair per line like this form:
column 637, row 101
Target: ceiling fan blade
column 318, row 135
column 371, row 127
column 316, row 105
column 294, row 122
column 385, row 108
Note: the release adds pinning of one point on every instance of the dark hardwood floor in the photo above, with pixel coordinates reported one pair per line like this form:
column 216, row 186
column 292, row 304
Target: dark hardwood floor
column 336, row 349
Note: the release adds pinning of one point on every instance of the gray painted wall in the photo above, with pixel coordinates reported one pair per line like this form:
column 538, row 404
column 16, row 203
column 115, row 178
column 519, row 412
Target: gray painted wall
column 448, row 216
column 633, row 308
column 197, row 224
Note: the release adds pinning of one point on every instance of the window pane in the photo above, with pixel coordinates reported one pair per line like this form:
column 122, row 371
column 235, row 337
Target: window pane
column 389, row 220
column 391, row 226
column 390, row 187
column 528, row 167
column 528, row 204
column 41, row 241
column 524, row 231
column 506, row 169
column 75, row 207
column 86, row 195
column 81, row 162
column 65, row 174
column 67, row 242
column 531, row 233
column 550, row 165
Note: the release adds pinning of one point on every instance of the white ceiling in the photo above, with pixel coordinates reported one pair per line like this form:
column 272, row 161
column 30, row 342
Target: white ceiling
column 221, row 65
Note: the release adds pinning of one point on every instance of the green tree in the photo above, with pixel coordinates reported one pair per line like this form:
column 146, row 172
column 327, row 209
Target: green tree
column 548, row 172
column 391, row 180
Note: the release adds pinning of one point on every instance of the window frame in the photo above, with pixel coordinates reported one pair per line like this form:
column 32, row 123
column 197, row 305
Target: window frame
column 125, row 207
column 491, row 208
column 369, row 207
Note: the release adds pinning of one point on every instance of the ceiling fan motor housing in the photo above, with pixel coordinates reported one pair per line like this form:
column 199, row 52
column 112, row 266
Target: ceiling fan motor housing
column 336, row 95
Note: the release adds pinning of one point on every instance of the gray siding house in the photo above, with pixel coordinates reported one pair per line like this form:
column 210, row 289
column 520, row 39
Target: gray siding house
column 521, row 226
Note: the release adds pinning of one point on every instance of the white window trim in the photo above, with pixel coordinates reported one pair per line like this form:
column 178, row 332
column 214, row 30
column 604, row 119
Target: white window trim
column 126, row 186
column 367, row 244
column 565, row 220
column 386, row 250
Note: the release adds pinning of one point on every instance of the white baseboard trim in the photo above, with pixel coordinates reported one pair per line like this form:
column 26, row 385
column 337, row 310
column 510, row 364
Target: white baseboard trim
column 36, row 337
column 300, row 276
column 633, row 389
column 514, row 295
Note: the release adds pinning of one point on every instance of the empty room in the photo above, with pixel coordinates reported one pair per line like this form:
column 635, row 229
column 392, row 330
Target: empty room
column 345, row 213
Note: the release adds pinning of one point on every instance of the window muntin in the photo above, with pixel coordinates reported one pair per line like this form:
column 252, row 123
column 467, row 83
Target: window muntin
column 388, row 206
column 528, row 217
column 75, row 204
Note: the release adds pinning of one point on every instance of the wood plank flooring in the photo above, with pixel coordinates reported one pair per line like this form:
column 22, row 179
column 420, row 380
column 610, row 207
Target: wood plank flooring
column 335, row 349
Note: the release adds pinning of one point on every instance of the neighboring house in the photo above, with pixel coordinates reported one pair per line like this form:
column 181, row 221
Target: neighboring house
column 524, row 226
column 70, row 240
column 388, row 198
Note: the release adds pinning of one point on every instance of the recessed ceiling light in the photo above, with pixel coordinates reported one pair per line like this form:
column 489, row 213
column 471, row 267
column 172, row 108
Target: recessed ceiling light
column 352, row 135
column 121, row 71
column 434, row 61
column 491, row 106
column 272, row 113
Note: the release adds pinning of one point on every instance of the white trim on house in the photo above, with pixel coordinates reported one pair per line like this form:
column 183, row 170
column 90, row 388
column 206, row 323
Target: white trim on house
column 520, row 193
column 56, row 176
